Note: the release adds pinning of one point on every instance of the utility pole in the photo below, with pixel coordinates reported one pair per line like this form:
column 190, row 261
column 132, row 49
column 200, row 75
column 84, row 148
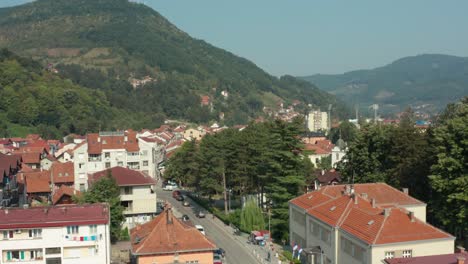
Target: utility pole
column 225, row 191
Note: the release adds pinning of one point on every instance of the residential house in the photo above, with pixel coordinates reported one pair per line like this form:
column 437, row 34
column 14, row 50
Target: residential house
column 9, row 167
column 318, row 150
column 338, row 152
column 64, row 195
column 72, row 234
column 194, row 133
column 37, row 188
column 137, row 193
column 110, row 149
column 166, row 239
column 62, row 174
column 460, row 257
column 364, row 223
column 47, row 161
column 326, row 177
column 65, row 153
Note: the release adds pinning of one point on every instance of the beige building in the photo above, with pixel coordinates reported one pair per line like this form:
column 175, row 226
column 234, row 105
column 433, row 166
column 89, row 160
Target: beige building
column 317, row 121
column 137, row 193
column 363, row 224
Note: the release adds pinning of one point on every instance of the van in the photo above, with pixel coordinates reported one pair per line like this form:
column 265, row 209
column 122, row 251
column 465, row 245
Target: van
column 200, row 228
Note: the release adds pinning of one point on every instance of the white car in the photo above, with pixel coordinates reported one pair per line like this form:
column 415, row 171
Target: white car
column 200, row 228
column 170, row 187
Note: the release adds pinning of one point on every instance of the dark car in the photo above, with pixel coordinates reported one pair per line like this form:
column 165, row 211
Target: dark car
column 185, row 217
column 200, row 214
column 180, row 198
column 220, row 252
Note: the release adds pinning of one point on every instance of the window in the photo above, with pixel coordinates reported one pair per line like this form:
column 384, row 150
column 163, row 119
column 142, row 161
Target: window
column 325, row 235
column 81, row 165
column 133, row 165
column 72, row 230
column 94, row 157
column 120, row 163
column 145, row 163
column 82, row 187
column 5, row 234
column 132, row 154
column 50, row 251
column 93, row 229
column 127, row 205
column 407, row 253
column 128, row 190
column 106, row 154
column 108, row 165
column 316, row 229
column 389, row 254
column 35, row 233
column 10, row 234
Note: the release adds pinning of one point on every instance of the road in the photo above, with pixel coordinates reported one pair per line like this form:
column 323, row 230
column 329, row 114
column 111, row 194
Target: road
column 222, row 236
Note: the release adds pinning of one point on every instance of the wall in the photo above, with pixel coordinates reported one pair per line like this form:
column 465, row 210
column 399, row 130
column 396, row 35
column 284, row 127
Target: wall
column 418, row 210
column 314, row 240
column 297, row 226
column 144, row 201
column 206, row 257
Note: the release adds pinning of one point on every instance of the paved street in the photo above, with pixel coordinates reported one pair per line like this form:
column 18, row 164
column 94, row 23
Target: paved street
column 237, row 249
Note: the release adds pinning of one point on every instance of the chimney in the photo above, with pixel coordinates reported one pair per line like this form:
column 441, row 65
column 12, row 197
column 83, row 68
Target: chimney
column 373, row 202
column 169, row 216
column 99, row 139
column 364, row 195
column 460, row 249
column 125, row 139
column 386, row 212
column 355, row 199
column 405, row 191
column 6, row 211
column 347, row 189
column 323, row 172
column 411, row 215
column 460, row 260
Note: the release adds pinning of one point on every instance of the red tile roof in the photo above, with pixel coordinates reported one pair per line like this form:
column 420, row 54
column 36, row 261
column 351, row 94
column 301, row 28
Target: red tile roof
column 153, row 140
column 31, row 157
column 205, row 100
column 39, row 144
column 356, row 215
column 166, row 234
column 9, row 163
column 63, row 191
column 97, row 143
column 38, row 182
column 63, row 172
column 54, row 216
column 328, row 176
column 124, row 177
column 435, row 259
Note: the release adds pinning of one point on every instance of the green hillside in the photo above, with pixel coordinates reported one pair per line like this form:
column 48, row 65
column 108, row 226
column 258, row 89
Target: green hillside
column 426, row 81
column 102, row 44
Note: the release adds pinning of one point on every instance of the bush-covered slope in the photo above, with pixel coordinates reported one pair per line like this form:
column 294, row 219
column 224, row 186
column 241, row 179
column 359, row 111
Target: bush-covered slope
column 118, row 40
column 429, row 79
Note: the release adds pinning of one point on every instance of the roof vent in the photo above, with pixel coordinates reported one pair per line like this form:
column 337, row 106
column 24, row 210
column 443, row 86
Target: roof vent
column 310, row 197
column 370, row 222
column 364, row 195
column 333, row 208
column 405, row 191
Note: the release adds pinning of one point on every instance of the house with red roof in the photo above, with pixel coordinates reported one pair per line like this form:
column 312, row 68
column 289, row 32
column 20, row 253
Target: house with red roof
column 318, row 150
column 64, row 195
column 166, row 239
column 55, row 234
column 37, row 188
column 137, row 193
column 62, row 174
column 9, row 167
column 459, row 257
column 363, row 223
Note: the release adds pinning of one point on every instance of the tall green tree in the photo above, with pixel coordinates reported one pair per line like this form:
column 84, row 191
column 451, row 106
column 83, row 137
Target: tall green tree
column 184, row 165
column 449, row 173
column 106, row 190
column 252, row 216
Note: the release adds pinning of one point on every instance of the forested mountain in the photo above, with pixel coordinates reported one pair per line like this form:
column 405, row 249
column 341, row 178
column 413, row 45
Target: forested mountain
column 35, row 100
column 105, row 44
column 427, row 80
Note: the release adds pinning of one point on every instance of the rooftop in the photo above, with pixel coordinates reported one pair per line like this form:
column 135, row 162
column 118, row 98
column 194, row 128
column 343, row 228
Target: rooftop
column 166, row 234
column 435, row 259
column 54, row 216
column 124, row 177
column 97, row 142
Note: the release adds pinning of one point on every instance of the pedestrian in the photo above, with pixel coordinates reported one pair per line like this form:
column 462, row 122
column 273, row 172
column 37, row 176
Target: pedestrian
column 269, row 256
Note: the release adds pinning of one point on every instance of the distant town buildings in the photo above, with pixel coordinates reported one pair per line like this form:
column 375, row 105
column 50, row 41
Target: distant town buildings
column 317, row 121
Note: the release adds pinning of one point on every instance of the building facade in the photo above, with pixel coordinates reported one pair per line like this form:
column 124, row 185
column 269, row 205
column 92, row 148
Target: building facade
column 317, row 121
column 70, row 234
column 363, row 224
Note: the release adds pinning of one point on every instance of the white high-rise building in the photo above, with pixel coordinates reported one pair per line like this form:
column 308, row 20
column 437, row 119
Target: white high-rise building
column 317, row 121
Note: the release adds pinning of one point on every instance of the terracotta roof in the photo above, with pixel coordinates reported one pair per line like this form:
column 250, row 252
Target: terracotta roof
column 31, row 157
column 124, row 177
column 97, row 142
column 328, row 176
column 356, row 215
column 205, row 100
column 435, row 259
column 162, row 128
column 38, row 182
column 153, row 140
column 33, row 137
column 166, row 234
column 317, row 149
column 17, row 139
column 63, row 172
column 63, row 191
column 54, row 216
column 8, row 163
column 38, row 144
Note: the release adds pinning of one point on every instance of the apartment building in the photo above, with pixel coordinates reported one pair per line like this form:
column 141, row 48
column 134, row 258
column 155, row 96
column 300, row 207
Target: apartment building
column 364, row 223
column 105, row 150
column 71, row 234
column 317, row 121
column 137, row 193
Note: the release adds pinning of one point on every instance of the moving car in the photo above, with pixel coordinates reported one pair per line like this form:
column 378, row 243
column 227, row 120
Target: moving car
column 185, row 218
column 200, row 214
column 186, row 204
column 200, row 228
column 220, row 252
column 217, row 259
column 169, row 187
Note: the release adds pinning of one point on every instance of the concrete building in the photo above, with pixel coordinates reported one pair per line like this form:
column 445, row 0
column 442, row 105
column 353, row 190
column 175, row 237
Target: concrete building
column 137, row 193
column 110, row 149
column 338, row 152
column 364, row 224
column 72, row 234
column 167, row 239
column 317, row 121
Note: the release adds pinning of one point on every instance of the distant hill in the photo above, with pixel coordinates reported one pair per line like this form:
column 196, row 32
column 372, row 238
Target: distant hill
column 426, row 82
column 106, row 44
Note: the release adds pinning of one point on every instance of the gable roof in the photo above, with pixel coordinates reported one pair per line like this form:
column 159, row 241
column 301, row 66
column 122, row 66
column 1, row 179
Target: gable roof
column 63, row 172
column 54, row 216
column 435, row 259
column 355, row 214
column 328, row 176
column 113, row 140
column 124, row 177
column 166, row 234
column 63, row 191
column 38, row 182
column 31, row 157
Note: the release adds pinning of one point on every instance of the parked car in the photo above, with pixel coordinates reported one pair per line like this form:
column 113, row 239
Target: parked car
column 186, row 204
column 169, row 187
column 185, row 218
column 180, row 198
column 220, row 252
column 200, row 228
column 200, row 214
column 217, row 259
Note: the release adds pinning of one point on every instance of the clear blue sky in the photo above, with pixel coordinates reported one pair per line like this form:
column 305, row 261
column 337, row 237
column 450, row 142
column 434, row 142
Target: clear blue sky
column 302, row 37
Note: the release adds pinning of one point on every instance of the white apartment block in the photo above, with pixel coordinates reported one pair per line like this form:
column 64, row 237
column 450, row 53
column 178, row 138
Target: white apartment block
column 317, row 121
column 364, row 224
column 110, row 149
column 72, row 234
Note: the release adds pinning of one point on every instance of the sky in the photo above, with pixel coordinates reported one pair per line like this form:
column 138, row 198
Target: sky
column 304, row 37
